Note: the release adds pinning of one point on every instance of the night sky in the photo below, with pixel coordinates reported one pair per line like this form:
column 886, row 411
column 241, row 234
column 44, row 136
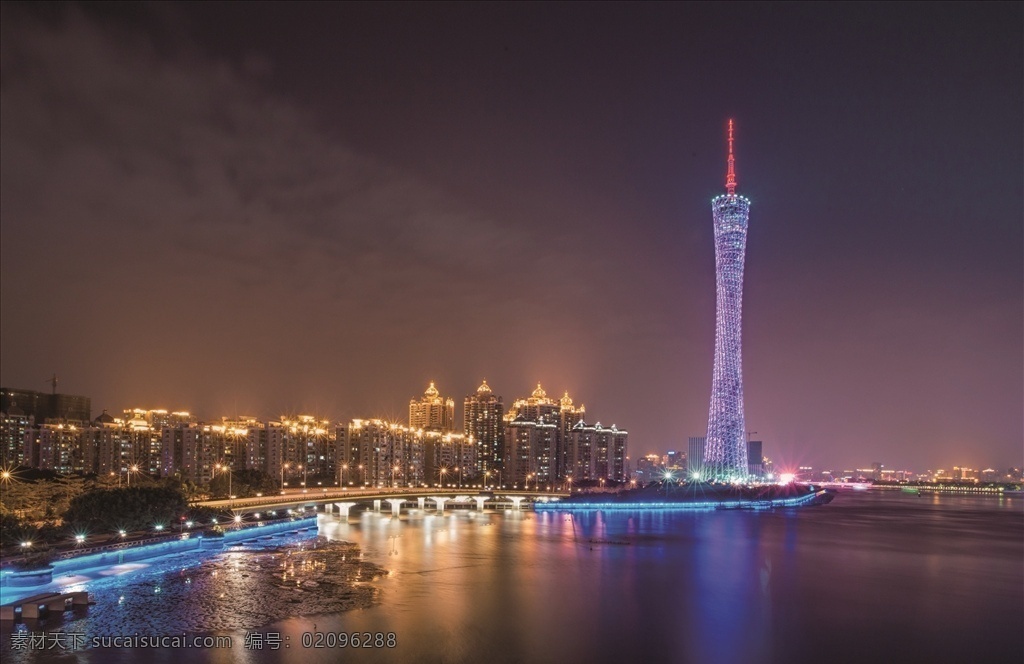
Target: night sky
column 266, row 209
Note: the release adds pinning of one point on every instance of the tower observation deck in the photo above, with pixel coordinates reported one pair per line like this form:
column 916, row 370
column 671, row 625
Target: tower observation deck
column 725, row 452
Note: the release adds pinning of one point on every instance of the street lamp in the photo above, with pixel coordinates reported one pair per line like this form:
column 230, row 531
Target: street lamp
column 226, row 468
column 442, row 471
column 131, row 469
column 344, row 467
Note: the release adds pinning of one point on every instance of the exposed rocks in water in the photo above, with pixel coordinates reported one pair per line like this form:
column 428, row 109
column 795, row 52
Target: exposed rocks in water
column 239, row 589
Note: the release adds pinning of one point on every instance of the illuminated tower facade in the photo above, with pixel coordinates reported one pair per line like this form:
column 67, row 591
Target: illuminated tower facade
column 725, row 452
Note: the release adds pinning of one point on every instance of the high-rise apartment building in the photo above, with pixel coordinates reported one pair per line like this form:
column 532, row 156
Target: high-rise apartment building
column 145, row 441
column 432, row 411
column 531, row 448
column 580, row 453
column 292, row 449
column 449, row 459
column 112, row 446
column 190, row 452
column 755, row 458
column 158, row 418
column 55, row 446
column 538, row 406
column 483, row 422
column 568, row 416
column 14, row 424
column 43, row 406
column 563, row 413
column 256, row 451
column 235, row 435
column 594, row 452
column 385, row 454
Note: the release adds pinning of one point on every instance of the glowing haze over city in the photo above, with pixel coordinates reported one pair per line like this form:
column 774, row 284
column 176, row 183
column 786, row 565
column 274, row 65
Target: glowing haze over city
column 322, row 210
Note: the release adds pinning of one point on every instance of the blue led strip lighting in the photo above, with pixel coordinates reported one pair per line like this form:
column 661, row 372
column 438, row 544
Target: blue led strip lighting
column 681, row 506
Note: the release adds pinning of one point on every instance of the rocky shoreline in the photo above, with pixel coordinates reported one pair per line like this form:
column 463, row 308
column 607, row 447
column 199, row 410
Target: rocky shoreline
column 234, row 590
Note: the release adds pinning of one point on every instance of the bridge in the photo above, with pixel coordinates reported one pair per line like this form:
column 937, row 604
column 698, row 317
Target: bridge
column 343, row 500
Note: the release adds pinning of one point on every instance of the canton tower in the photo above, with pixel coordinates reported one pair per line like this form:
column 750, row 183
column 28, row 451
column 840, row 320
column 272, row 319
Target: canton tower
column 725, row 452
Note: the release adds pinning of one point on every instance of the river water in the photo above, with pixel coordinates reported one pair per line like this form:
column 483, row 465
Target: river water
column 874, row 575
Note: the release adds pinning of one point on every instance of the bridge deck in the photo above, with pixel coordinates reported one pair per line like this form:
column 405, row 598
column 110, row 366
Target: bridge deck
column 290, row 499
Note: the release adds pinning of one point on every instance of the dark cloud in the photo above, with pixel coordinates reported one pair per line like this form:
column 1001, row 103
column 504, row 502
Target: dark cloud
column 264, row 212
column 173, row 197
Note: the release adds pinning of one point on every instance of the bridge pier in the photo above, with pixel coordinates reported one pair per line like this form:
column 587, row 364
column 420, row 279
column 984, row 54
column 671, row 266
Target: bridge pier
column 31, row 609
column 422, row 502
column 480, row 500
column 376, row 505
column 54, row 602
column 343, row 509
column 517, row 501
column 396, row 505
column 440, row 502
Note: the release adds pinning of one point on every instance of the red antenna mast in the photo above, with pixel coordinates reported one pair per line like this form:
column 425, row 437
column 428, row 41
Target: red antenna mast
column 730, row 179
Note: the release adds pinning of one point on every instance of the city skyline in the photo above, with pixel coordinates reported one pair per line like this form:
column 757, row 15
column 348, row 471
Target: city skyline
column 130, row 418
column 191, row 215
column 539, row 440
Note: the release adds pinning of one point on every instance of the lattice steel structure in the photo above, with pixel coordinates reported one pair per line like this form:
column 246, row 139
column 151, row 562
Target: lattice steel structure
column 725, row 452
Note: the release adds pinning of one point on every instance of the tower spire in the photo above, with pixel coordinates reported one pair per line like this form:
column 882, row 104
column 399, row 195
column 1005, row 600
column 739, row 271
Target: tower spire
column 730, row 178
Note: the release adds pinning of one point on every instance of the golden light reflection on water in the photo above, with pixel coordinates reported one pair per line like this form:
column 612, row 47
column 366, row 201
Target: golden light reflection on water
column 523, row 587
column 466, row 586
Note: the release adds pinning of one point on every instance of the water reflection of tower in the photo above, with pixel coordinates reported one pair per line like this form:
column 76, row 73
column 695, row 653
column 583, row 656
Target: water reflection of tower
column 725, row 453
